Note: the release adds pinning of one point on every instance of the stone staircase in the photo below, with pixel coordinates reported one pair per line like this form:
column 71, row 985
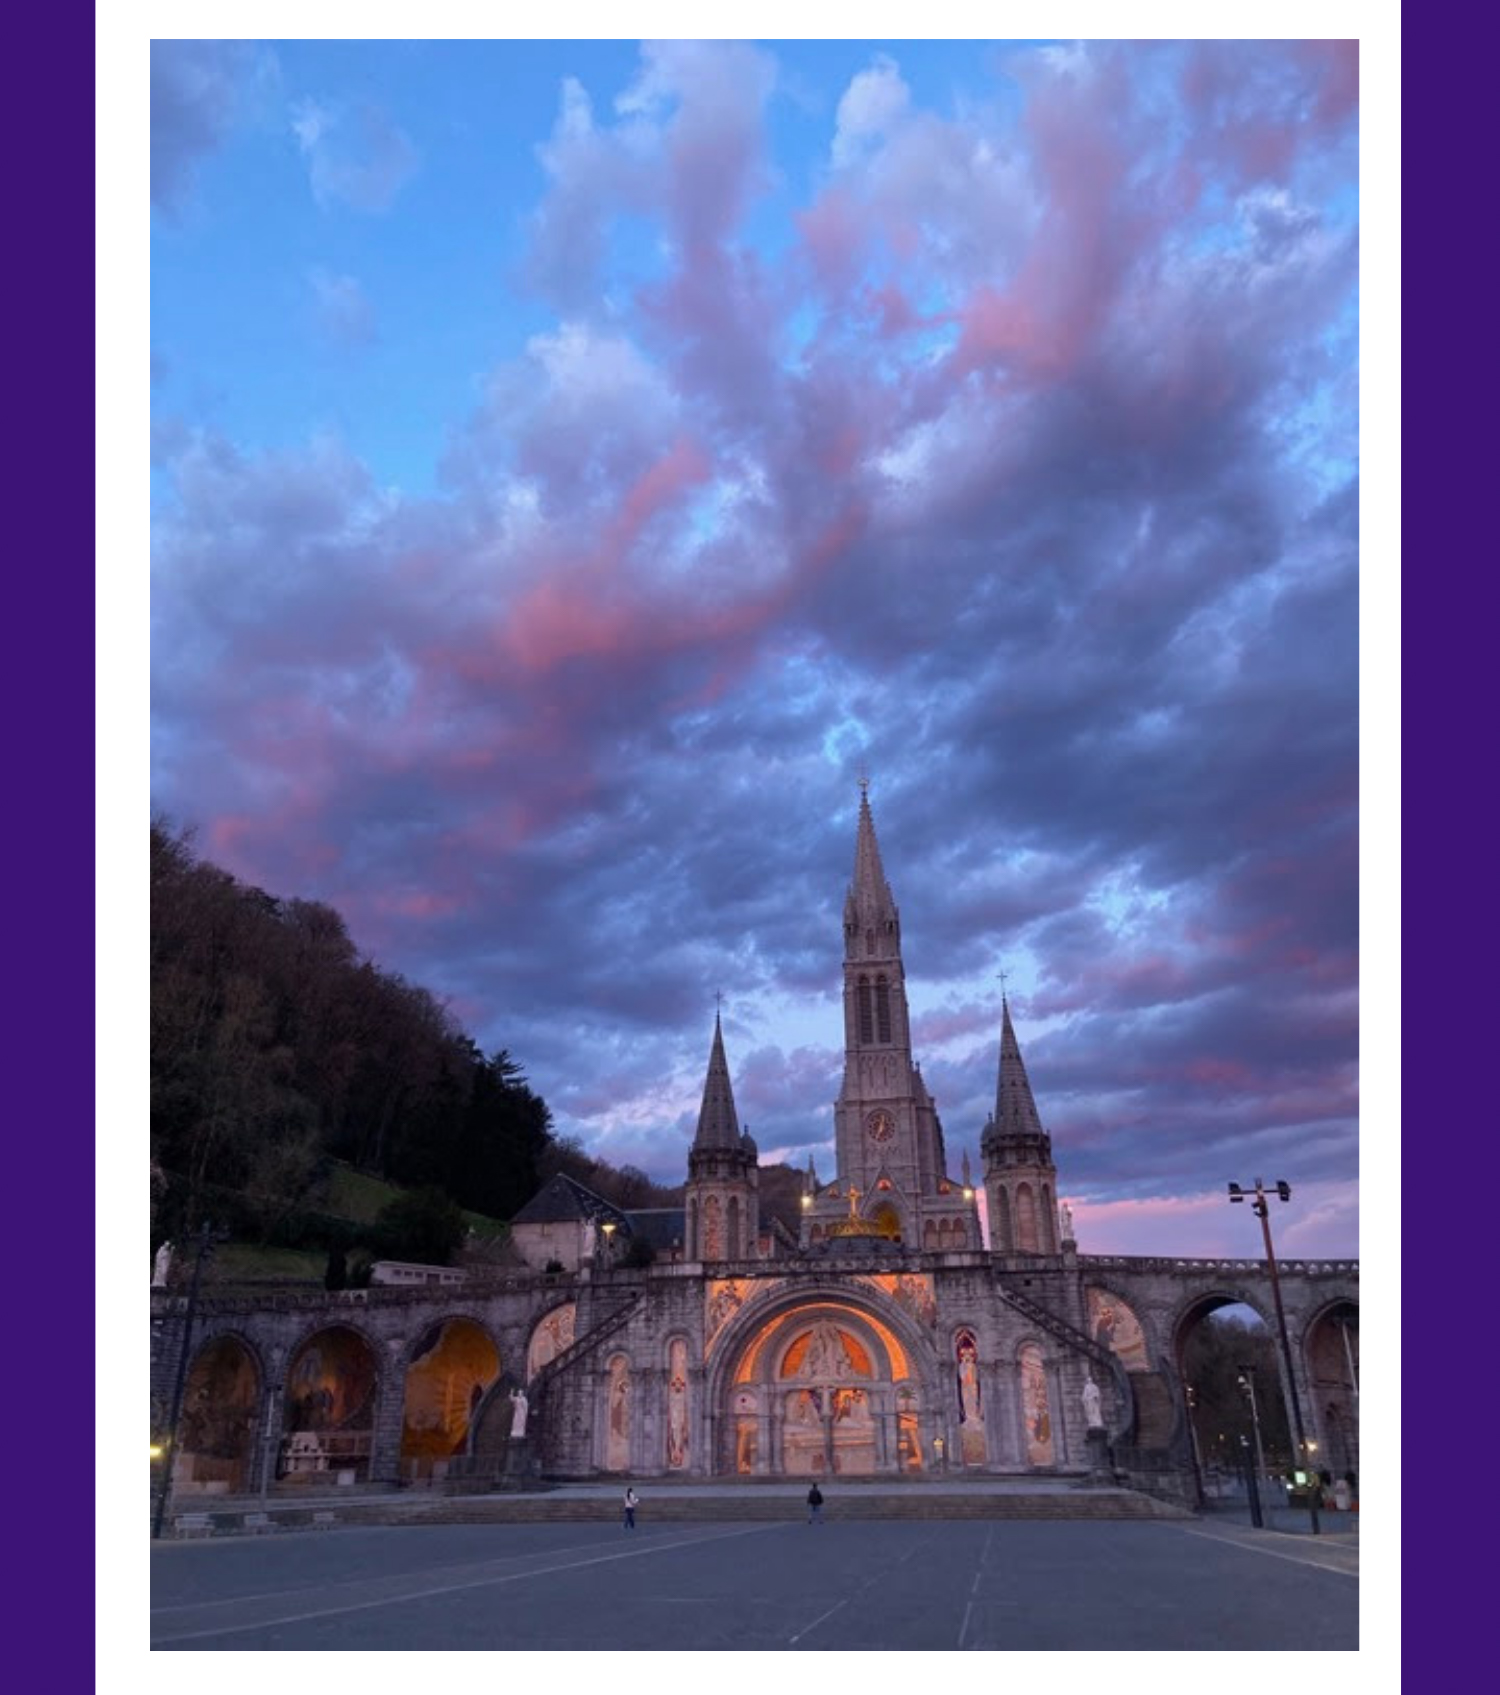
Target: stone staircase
column 1067, row 1333
column 585, row 1344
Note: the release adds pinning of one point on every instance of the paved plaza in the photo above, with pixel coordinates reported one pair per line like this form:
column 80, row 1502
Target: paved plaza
column 780, row 1586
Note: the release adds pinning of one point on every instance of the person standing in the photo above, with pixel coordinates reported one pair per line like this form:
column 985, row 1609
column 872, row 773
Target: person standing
column 814, row 1505
column 632, row 1501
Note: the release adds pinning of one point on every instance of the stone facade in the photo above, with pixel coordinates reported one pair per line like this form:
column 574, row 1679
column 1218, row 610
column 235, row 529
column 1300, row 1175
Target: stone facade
column 887, row 1341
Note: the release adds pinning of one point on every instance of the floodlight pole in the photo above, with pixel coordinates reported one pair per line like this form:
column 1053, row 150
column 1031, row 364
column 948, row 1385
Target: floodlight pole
column 1294, row 1404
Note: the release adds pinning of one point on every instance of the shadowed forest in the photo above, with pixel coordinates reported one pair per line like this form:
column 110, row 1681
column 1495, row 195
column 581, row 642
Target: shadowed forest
column 282, row 1059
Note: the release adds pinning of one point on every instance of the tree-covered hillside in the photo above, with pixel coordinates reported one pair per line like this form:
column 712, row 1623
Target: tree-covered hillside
column 282, row 1061
column 276, row 1050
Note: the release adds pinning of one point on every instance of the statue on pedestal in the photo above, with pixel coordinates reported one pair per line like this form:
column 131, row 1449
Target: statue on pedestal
column 519, row 1408
column 1067, row 1223
column 1093, row 1416
column 161, row 1266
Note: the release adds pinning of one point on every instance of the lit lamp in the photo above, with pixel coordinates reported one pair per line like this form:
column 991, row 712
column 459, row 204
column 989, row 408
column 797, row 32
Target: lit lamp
column 609, row 1227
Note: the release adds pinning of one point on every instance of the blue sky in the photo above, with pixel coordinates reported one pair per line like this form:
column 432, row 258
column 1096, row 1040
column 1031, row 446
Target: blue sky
column 575, row 461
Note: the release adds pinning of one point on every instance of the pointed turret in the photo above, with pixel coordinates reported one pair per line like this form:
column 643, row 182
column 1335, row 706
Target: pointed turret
column 718, row 1127
column 1019, row 1178
column 1015, row 1109
column 722, row 1194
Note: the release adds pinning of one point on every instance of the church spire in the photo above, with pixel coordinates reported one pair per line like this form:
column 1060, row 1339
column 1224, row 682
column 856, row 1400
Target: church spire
column 1015, row 1109
column 718, row 1127
column 869, row 893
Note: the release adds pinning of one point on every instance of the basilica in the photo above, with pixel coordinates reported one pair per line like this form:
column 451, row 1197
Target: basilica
column 885, row 1338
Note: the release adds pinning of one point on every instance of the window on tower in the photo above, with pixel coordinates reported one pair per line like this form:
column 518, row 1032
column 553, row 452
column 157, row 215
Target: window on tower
column 883, row 1008
column 866, row 1012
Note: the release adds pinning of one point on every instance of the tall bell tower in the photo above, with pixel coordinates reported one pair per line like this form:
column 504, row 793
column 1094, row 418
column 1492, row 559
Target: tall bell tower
column 892, row 1170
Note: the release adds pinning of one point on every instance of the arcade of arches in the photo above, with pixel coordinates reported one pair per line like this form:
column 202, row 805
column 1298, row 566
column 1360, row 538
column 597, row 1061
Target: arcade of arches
column 890, row 1336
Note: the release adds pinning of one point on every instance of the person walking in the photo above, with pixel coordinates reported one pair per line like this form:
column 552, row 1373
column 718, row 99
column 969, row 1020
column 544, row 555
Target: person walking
column 632, row 1501
column 814, row 1505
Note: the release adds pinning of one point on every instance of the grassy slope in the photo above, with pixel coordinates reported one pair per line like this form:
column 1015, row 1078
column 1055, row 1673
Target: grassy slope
column 350, row 1194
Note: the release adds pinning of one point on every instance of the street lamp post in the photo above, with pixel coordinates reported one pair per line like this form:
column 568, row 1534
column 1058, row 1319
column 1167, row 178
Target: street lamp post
column 1247, row 1383
column 1190, row 1395
column 204, row 1242
column 1294, row 1403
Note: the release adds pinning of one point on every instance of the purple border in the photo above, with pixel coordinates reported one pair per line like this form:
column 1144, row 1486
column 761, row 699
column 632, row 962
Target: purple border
column 1448, row 850
column 49, row 682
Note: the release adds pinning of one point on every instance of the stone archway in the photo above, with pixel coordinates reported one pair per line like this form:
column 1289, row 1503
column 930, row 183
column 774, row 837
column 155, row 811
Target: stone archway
column 451, row 1368
column 1330, row 1353
column 219, row 1404
column 822, row 1388
column 1228, row 1398
column 328, row 1421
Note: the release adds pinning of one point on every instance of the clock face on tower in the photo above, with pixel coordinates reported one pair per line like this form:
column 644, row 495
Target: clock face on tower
column 880, row 1126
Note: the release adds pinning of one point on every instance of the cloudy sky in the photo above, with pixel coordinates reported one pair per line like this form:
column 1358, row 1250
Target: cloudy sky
column 574, row 463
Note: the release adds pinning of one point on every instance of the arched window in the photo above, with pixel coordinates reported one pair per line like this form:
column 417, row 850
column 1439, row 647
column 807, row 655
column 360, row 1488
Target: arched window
column 713, row 1229
column 960, row 1234
column 1048, row 1241
column 882, row 1009
column 694, row 1251
column 732, row 1232
column 1026, row 1219
column 930, row 1236
column 1004, row 1240
column 866, row 1013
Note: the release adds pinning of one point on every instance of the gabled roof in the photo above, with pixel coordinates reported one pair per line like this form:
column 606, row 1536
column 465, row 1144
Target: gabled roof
column 563, row 1199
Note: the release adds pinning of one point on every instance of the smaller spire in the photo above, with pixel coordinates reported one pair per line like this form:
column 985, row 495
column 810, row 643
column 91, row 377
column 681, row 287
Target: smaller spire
column 1015, row 1109
column 718, row 1127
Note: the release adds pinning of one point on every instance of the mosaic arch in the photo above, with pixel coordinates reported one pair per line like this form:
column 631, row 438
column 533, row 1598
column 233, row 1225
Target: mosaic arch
column 217, row 1428
column 452, row 1365
column 679, row 1406
column 972, row 1448
column 617, row 1417
column 328, row 1420
column 822, row 1390
column 1036, row 1407
column 1114, row 1325
column 552, row 1336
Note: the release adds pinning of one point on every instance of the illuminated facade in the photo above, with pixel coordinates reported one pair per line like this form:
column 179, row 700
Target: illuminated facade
column 886, row 1340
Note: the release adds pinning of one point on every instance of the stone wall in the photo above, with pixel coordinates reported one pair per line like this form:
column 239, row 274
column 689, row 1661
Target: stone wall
column 584, row 1423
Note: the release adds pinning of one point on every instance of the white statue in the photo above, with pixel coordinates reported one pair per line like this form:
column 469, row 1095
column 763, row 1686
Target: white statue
column 589, row 1238
column 161, row 1266
column 1067, row 1223
column 1093, row 1415
column 519, row 1407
